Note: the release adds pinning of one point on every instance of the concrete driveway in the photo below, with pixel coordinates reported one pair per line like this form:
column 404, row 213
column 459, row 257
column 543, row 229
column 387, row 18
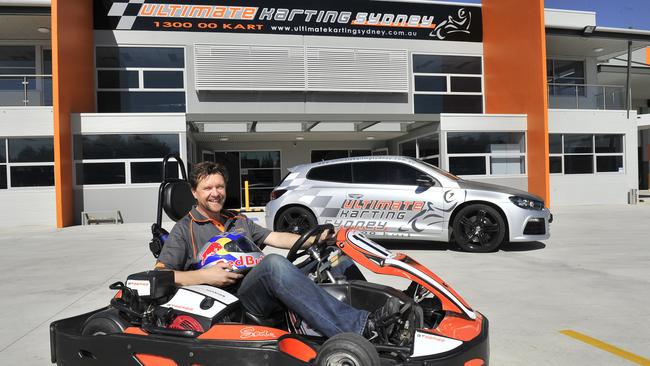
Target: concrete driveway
column 591, row 277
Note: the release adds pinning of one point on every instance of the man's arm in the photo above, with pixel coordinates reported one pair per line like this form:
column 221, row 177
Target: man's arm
column 281, row 240
column 215, row 276
column 286, row 240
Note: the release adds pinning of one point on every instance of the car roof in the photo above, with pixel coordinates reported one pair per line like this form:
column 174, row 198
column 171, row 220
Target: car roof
column 404, row 159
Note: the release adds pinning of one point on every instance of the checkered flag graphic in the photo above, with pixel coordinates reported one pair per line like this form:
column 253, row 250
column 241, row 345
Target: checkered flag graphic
column 127, row 10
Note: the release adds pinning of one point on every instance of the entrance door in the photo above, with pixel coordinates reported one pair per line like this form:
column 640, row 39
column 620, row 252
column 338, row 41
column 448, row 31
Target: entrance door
column 231, row 160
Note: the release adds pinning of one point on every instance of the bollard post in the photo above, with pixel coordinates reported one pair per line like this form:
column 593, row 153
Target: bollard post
column 248, row 207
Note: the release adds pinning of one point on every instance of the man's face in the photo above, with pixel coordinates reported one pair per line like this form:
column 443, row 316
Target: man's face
column 210, row 193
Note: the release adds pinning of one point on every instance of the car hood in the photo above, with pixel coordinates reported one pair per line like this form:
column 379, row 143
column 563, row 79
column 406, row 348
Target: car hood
column 480, row 186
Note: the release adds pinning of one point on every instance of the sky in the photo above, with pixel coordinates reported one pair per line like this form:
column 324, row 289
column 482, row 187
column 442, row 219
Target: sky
column 609, row 13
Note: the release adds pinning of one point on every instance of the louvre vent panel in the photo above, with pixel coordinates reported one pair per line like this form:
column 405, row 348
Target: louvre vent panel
column 352, row 70
column 228, row 67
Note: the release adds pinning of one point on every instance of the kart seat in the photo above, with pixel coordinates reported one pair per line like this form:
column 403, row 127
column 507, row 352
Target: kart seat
column 174, row 198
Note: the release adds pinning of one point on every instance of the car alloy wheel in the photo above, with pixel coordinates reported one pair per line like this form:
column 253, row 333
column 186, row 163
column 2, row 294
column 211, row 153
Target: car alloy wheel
column 295, row 219
column 479, row 228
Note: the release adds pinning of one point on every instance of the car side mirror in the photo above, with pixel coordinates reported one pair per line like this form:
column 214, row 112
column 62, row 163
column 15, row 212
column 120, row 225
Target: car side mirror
column 425, row 181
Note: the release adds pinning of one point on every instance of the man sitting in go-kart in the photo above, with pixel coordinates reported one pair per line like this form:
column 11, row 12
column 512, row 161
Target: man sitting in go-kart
column 272, row 284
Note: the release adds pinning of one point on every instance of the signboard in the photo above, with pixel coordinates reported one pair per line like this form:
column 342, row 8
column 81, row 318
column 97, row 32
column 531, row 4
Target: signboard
column 352, row 18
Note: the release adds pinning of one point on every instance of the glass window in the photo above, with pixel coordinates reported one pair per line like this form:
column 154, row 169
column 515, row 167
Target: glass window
column 467, row 165
column 117, row 79
column 125, row 146
column 578, row 143
column 332, row 173
column 3, row 176
column 260, row 159
column 465, row 84
column 140, row 57
column 101, row 173
column 380, row 172
column 163, row 79
column 408, row 148
column 609, row 143
column 32, row 176
column 446, row 64
column 139, row 102
column 151, row 172
column 17, row 60
column 485, row 142
column 567, row 69
column 429, row 145
column 261, row 178
column 555, row 143
column 258, row 197
column 445, row 103
column 555, row 164
column 578, row 164
column 3, row 149
column 28, row 150
column 432, row 161
column 609, row 163
column 322, row 155
column 355, row 153
column 431, row 83
column 507, row 165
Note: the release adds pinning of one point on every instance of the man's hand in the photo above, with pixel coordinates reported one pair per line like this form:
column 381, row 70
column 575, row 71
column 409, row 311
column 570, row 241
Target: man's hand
column 219, row 275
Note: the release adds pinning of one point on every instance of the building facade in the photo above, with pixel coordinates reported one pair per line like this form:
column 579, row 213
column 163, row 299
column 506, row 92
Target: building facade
column 88, row 110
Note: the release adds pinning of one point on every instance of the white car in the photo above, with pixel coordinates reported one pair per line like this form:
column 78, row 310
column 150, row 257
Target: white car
column 402, row 197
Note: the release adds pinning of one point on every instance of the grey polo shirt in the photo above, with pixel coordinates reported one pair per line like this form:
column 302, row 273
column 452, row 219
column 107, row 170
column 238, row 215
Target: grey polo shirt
column 190, row 233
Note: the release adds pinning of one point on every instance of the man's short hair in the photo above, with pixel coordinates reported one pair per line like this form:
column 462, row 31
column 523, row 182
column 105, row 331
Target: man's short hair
column 204, row 169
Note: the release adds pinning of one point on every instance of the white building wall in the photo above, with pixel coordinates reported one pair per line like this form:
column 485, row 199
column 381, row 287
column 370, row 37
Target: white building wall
column 597, row 188
column 27, row 206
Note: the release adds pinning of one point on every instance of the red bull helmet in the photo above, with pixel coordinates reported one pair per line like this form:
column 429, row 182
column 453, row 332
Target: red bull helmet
column 235, row 249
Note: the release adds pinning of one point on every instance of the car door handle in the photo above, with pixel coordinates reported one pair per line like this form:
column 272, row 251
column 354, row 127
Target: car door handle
column 355, row 196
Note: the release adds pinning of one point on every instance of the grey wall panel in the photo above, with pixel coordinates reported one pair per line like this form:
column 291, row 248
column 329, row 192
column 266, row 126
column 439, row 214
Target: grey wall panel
column 136, row 204
column 28, row 207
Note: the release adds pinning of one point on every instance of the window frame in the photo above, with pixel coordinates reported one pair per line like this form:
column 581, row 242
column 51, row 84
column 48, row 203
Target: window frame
column 593, row 153
column 448, row 77
column 488, row 156
column 7, row 164
column 417, row 147
column 141, row 71
column 126, row 161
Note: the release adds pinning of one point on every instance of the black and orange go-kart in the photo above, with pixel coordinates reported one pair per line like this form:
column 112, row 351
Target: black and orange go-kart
column 151, row 322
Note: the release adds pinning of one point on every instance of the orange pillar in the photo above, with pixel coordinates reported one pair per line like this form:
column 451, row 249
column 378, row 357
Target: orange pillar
column 72, row 89
column 514, row 49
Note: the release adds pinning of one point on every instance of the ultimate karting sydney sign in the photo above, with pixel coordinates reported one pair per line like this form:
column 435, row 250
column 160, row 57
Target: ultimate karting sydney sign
column 350, row 18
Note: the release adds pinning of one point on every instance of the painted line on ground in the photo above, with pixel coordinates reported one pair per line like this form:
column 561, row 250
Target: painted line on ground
column 607, row 347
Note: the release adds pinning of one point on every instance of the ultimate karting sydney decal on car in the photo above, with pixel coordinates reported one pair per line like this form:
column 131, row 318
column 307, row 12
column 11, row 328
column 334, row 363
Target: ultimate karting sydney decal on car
column 352, row 18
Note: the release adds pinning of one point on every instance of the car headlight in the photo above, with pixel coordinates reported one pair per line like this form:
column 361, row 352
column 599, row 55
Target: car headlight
column 527, row 203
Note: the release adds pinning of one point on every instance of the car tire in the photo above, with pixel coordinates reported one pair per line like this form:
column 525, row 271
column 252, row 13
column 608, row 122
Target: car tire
column 478, row 228
column 104, row 322
column 347, row 349
column 295, row 219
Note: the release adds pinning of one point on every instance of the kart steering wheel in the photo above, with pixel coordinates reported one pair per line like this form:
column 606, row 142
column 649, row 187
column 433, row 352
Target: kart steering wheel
column 295, row 252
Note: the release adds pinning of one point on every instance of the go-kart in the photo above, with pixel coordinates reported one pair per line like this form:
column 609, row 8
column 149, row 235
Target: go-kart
column 150, row 321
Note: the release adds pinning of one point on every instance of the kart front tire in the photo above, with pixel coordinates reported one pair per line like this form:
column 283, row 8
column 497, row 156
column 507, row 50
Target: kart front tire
column 104, row 322
column 347, row 349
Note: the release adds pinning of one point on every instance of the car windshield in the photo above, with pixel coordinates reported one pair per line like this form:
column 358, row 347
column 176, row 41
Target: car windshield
column 438, row 170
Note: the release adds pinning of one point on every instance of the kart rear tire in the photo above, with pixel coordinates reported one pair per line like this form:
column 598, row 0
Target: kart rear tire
column 347, row 349
column 491, row 221
column 295, row 219
column 105, row 322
